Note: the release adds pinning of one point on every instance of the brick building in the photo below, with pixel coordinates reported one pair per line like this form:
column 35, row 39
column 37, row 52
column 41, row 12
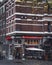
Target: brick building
column 26, row 22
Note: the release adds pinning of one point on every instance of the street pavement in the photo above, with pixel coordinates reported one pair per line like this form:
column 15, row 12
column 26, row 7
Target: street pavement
column 25, row 62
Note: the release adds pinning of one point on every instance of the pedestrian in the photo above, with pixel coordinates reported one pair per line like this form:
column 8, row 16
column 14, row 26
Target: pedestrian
column 14, row 53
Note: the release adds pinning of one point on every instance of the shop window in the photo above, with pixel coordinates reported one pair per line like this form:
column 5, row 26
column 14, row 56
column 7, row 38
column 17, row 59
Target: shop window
column 19, row 41
column 26, row 41
column 35, row 42
column 30, row 42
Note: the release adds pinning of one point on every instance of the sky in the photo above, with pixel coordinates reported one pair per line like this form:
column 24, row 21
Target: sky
column 1, row 0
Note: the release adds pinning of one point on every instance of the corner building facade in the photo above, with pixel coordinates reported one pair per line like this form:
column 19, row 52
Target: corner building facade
column 28, row 22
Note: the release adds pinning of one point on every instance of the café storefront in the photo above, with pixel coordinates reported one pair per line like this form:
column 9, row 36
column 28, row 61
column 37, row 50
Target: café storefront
column 20, row 43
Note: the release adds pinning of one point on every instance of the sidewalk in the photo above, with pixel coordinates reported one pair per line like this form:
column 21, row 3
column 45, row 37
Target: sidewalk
column 19, row 60
column 24, row 62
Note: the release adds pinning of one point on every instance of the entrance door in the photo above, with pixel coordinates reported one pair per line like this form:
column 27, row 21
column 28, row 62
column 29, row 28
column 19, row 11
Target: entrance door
column 17, row 52
column 10, row 52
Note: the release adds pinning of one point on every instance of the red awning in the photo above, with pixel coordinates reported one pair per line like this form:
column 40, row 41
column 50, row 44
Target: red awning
column 8, row 38
column 32, row 37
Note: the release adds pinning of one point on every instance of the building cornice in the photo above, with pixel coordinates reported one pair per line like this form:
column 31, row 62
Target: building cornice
column 28, row 32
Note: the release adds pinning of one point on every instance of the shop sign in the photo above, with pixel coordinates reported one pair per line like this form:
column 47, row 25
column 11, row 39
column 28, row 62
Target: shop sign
column 32, row 37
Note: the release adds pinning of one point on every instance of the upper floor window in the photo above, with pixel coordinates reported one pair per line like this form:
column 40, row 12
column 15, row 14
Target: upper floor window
column 33, row 18
column 9, row 3
column 39, row 0
column 12, row 5
column 12, row 1
column 23, row 17
column 40, row 18
column 0, row 11
column 36, row 18
column 6, row 6
column 3, row 9
column 9, row 13
column 12, row 10
column 12, row 21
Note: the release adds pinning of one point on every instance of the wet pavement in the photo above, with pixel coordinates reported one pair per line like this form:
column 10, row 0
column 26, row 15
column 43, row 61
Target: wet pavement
column 25, row 62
